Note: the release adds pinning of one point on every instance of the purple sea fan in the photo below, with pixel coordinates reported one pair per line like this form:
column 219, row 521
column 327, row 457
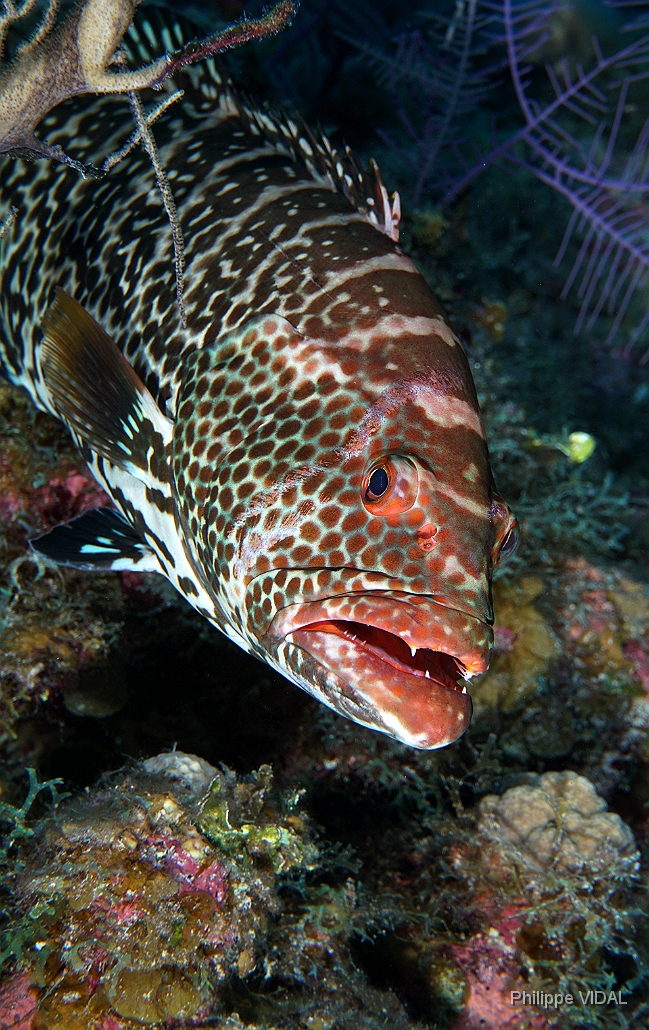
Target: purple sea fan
column 573, row 140
column 580, row 132
column 438, row 75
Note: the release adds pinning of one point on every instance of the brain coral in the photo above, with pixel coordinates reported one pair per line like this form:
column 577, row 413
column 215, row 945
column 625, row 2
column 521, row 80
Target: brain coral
column 560, row 822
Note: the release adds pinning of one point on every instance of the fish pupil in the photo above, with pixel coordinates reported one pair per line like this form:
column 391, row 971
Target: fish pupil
column 377, row 485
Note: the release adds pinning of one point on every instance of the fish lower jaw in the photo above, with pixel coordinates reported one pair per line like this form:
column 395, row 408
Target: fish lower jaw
column 373, row 678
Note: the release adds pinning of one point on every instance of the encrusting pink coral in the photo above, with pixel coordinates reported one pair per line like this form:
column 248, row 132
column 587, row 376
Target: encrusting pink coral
column 18, row 1003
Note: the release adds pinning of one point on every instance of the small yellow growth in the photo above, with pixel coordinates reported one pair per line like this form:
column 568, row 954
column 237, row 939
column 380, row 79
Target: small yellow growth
column 514, row 674
column 151, row 995
column 227, row 823
column 26, row 640
column 632, row 605
column 449, row 982
column 246, row 962
column 580, row 447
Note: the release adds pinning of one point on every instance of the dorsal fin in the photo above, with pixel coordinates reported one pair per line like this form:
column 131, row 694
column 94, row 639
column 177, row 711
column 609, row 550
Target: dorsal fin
column 153, row 29
column 363, row 189
column 98, row 394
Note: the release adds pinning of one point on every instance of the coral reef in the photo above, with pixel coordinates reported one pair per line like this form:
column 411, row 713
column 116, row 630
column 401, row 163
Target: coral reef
column 174, row 894
column 535, row 890
column 156, row 901
column 569, row 676
column 133, row 912
column 529, row 885
column 525, row 646
column 442, row 72
column 602, row 622
column 559, row 823
column 179, row 895
column 548, row 876
column 43, row 480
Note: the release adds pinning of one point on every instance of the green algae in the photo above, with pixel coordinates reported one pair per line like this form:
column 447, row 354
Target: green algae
column 243, row 826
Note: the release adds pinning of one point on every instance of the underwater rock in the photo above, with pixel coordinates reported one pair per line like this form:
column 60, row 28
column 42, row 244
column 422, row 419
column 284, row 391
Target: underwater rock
column 189, row 771
column 534, row 890
column 56, row 628
column 97, row 693
column 542, row 901
column 177, row 895
column 605, row 620
column 139, row 902
column 570, row 672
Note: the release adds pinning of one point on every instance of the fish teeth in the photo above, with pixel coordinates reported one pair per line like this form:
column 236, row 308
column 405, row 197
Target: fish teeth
column 464, row 690
column 427, row 674
column 413, row 651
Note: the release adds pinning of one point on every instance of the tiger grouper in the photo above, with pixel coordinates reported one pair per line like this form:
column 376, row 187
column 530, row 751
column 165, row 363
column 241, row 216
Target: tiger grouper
column 304, row 458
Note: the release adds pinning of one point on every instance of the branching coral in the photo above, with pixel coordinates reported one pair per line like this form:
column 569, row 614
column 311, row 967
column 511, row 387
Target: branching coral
column 16, row 816
column 435, row 80
column 71, row 57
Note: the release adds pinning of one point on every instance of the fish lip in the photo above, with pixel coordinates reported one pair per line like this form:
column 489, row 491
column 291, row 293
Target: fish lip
column 361, row 680
column 377, row 641
column 419, row 620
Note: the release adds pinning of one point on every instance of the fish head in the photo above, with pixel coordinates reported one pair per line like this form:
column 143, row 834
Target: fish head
column 357, row 529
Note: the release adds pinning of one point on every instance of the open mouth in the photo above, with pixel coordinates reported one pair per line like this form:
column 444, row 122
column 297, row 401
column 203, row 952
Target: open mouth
column 393, row 661
column 440, row 668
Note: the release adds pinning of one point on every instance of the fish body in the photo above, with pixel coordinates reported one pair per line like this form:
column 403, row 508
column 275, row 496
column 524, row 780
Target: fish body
column 304, row 457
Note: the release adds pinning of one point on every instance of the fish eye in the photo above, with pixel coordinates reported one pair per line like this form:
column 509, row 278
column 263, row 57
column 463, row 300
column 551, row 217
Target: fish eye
column 377, row 484
column 390, row 485
column 510, row 542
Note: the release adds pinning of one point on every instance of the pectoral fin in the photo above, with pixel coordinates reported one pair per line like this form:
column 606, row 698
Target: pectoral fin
column 101, row 539
column 99, row 395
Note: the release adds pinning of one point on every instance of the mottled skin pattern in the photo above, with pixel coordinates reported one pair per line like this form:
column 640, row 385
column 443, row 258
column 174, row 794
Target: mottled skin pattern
column 314, row 353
